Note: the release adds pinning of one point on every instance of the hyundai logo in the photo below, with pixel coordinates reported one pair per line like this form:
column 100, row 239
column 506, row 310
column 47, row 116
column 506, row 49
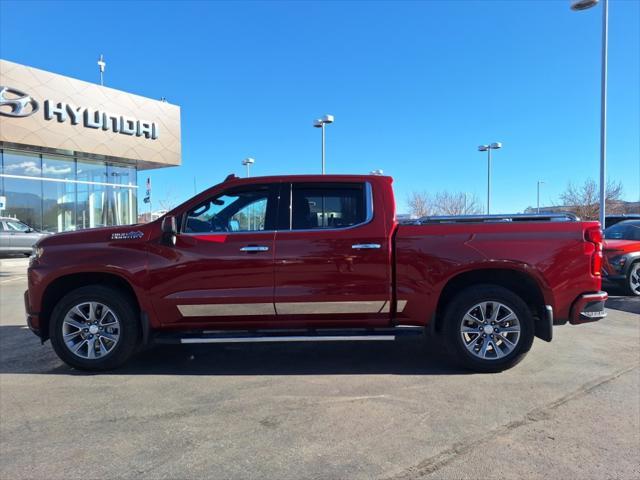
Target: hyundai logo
column 20, row 104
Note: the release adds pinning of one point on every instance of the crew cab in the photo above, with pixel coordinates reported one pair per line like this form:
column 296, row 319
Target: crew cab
column 313, row 258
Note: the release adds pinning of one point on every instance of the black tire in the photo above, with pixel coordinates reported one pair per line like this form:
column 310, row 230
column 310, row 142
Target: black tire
column 628, row 289
column 129, row 331
column 466, row 300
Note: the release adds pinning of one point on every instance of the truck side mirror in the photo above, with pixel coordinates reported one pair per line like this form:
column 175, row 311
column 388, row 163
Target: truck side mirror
column 169, row 230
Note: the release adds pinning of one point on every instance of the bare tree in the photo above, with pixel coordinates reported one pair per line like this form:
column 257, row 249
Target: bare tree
column 419, row 204
column 584, row 200
column 447, row 203
column 422, row 204
column 169, row 201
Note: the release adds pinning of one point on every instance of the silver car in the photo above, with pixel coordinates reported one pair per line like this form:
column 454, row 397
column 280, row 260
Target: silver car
column 17, row 237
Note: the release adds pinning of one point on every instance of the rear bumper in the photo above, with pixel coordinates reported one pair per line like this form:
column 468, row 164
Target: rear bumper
column 588, row 308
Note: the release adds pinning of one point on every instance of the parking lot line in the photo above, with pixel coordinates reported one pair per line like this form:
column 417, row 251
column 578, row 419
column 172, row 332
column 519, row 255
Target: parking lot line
column 12, row 279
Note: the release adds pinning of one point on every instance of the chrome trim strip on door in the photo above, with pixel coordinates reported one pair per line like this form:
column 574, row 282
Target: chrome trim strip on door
column 309, row 308
column 289, row 308
column 226, row 309
column 244, row 232
column 386, row 308
column 333, row 338
column 369, row 202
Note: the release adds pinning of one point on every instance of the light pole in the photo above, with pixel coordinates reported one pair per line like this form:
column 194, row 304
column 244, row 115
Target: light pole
column 101, row 65
column 540, row 182
column 247, row 162
column 488, row 148
column 578, row 5
column 320, row 123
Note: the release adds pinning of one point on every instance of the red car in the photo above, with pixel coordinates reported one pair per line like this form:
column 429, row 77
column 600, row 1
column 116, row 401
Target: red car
column 622, row 256
column 313, row 258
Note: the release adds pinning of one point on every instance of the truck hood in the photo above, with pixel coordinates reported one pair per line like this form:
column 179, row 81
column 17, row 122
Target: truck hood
column 129, row 233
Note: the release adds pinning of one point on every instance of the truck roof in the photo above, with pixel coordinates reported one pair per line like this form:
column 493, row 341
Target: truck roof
column 305, row 177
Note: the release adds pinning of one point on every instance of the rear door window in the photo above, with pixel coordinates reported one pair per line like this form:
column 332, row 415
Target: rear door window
column 316, row 206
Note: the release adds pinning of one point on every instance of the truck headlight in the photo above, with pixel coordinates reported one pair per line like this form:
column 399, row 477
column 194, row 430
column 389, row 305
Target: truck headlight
column 36, row 253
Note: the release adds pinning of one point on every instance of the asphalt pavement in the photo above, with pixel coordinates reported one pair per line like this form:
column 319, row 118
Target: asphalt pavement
column 388, row 410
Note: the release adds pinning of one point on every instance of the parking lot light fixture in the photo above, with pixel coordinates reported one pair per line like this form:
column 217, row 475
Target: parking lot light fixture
column 578, row 5
column 247, row 162
column 488, row 148
column 583, row 4
column 540, row 182
column 320, row 123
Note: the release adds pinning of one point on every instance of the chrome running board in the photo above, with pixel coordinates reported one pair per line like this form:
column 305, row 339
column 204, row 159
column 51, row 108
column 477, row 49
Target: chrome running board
column 287, row 335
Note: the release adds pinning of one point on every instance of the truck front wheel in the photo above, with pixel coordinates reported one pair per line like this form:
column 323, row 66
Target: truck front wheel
column 488, row 328
column 632, row 286
column 94, row 328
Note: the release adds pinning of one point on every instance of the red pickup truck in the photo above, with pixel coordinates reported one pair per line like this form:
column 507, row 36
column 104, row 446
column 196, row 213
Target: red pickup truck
column 313, row 258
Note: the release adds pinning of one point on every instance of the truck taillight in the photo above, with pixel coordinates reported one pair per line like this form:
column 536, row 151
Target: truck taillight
column 594, row 235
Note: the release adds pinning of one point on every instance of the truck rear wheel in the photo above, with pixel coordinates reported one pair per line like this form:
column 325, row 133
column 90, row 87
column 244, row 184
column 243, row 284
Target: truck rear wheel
column 94, row 328
column 488, row 328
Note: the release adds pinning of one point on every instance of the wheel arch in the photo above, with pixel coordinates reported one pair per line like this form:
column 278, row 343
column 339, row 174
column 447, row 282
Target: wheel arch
column 521, row 283
column 64, row 284
column 633, row 258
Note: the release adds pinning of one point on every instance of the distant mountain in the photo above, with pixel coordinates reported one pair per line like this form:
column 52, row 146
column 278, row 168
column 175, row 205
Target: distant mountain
column 617, row 207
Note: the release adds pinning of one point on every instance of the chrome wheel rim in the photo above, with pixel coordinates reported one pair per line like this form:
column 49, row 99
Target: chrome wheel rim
column 91, row 330
column 490, row 330
column 634, row 278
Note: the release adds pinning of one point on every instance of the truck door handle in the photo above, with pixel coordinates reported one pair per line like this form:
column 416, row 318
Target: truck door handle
column 255, row 248
column 365, row 246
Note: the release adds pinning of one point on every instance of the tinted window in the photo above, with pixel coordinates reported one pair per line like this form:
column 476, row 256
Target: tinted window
column 317, row 206
column 629, row 230
column 237, row 210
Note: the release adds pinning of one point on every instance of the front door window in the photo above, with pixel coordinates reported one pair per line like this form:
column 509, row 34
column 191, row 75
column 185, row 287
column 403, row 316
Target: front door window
column 238, row 210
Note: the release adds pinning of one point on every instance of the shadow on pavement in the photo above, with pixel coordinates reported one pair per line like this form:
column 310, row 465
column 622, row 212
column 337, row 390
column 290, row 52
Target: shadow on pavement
column 618, row 300
column 21, row 352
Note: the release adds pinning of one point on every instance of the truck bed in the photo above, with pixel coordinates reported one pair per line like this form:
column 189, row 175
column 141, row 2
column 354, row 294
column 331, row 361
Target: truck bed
column 432, row 252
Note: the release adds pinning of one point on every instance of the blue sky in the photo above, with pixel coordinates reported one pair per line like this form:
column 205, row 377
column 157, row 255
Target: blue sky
column 414, row 86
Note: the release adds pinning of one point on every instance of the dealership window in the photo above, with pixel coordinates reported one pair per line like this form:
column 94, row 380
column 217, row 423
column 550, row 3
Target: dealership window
column 121, row 197
column 55, row 193
column 22, row 187
column 91, row 199
column 58, row 194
